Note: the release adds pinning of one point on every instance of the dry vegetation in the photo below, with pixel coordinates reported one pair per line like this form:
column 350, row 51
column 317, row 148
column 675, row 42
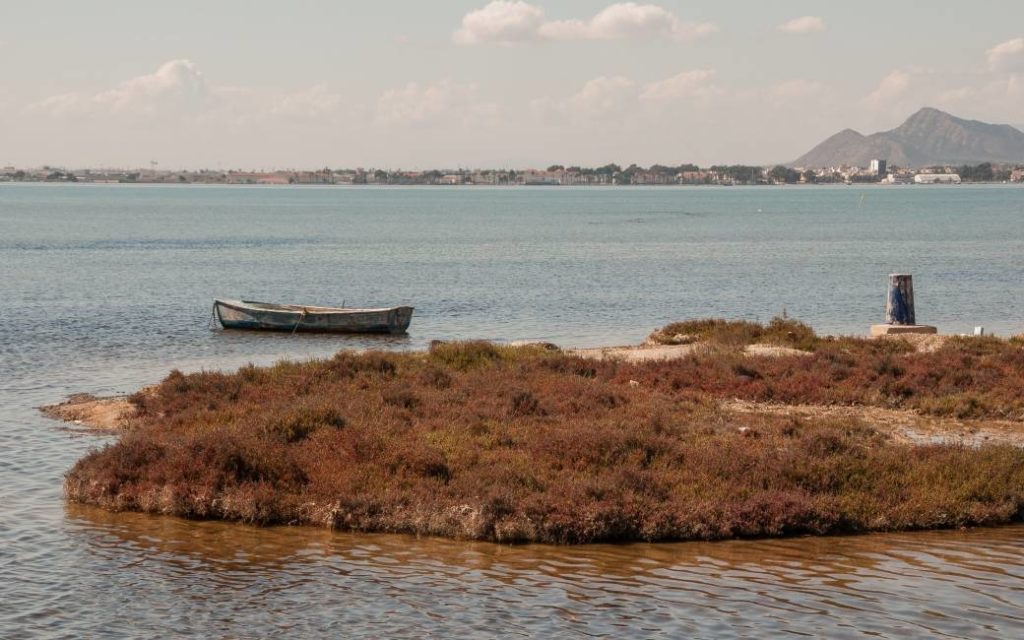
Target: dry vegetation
column 520, row 444
column 782, row 332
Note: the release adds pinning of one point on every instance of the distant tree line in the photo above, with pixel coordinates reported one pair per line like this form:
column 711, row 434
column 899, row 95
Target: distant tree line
column 984, row 172
column 687, row 173
column 48, row 175
column 606, row 170
column 780, row 173
column 740, row 173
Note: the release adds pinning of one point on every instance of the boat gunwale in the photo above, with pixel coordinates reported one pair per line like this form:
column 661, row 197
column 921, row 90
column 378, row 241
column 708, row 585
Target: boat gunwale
column 250, row 305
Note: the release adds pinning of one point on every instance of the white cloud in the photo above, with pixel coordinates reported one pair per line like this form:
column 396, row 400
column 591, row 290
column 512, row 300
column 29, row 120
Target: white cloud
column 601, row 98
column 179, row 92
column 177, row 111
column 1007, row 56
column 623, row 100
column 1015, row 89
column 805, row 24
column 796, row 91
column 502, row 22
column 996, row 94
column 629, row 20
column 889, row 90
column 315, row 102
column 958, row 95
column 443, row 101
column 993, row 94
column 999, row 99
column 515, row 21
column 685, row 85
column 177, row 85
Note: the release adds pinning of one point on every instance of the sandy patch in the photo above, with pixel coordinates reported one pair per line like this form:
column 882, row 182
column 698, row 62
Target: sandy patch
column 773, row 351
column 903, row 426
column 922, row 342
column 90, row 412
column 641, row 353
column 650, row 352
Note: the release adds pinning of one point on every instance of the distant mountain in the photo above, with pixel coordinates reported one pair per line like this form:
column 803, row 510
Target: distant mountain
column 929, row 137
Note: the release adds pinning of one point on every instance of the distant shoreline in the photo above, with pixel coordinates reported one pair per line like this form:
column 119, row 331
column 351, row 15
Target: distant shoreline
column 499, row 186
column 553, row 176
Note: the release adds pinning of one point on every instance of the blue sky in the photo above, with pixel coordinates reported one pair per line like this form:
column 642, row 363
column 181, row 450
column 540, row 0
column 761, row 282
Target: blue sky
column 416, row 84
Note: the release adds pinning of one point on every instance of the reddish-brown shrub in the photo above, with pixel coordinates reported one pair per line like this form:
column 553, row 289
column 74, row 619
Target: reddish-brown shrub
column 522, row 444
column 782, row 331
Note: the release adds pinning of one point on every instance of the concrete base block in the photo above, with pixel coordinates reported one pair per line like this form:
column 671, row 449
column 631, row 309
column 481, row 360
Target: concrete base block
column 896, row 329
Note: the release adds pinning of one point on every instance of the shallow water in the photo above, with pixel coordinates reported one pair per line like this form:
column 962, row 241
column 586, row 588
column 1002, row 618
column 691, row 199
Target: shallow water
column 104, row 289
column 220, row 578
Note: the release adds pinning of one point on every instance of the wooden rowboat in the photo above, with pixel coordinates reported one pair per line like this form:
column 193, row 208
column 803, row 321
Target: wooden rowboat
column 248, row 314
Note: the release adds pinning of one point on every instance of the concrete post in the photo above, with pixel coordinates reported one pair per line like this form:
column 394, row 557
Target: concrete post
column 899, row 308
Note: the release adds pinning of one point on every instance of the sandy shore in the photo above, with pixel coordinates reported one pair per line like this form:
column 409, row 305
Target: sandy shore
column 91, row 412
column 649, row 351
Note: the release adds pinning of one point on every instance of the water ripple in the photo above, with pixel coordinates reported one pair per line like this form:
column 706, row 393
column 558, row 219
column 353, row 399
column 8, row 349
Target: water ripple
column 106, row 289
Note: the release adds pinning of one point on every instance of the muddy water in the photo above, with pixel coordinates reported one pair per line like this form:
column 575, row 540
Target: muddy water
column 104, row 289
column 145, row 572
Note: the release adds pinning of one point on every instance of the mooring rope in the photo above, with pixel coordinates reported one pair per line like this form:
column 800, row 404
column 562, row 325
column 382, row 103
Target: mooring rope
column 303, row 315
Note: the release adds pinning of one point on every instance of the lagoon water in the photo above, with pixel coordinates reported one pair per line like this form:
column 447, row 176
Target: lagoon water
column 104, row 289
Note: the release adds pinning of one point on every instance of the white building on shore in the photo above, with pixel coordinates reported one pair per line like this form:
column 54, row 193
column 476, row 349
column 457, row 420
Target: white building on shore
column 937, row 178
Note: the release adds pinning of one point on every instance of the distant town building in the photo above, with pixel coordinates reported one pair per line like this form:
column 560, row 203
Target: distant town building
column 937, row 178
column 539, row 179
column 250, row 177
column 311, row 177
column 611, row 174
column 693, row 177
column 651, row 177
column 898, row 178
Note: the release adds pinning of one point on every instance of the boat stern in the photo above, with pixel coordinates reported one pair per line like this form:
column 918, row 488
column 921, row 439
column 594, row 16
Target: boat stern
column 401, row 317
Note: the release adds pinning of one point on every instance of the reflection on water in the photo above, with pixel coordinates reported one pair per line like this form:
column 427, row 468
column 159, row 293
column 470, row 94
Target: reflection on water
column 957, row 583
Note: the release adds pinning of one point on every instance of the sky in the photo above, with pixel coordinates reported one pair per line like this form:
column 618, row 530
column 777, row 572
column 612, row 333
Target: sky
column 502, row 84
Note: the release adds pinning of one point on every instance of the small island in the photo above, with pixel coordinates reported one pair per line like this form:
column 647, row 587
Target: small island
column 711, row 430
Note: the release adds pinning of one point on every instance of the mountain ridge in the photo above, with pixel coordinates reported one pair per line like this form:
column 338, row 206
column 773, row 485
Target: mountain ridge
column 928, row 137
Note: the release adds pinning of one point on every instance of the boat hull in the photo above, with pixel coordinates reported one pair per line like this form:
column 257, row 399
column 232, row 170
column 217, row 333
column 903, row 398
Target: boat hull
column 245, row 315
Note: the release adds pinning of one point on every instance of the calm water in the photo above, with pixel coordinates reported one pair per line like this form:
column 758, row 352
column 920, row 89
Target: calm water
column 104, row 289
